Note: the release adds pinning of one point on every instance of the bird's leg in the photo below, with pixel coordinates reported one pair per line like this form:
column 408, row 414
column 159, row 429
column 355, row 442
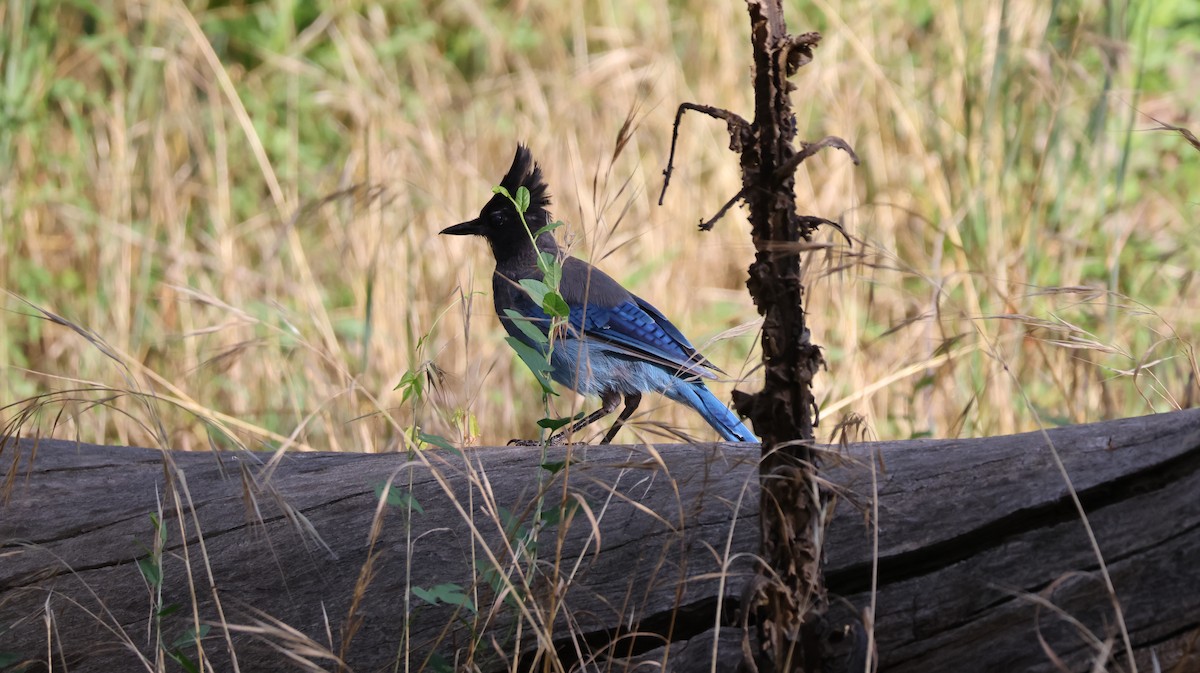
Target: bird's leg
column 608, row 404
column 609, row 400
column 631, row 403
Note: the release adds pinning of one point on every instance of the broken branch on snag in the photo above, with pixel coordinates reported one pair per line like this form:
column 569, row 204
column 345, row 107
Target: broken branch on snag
column 706, row 225
column 809, row 149
column 788, row 167
column 739, row 129
column 740, row 132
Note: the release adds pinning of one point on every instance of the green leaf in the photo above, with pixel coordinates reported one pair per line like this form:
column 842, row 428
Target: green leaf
column 554, row 515
column 190, row 637
column 169, row 610
column 513, row 528
column 496, row 579
column 183, row 660
column 437, row 440
column 453, row 595
column 550, row 268
column 151, row 571
column 536, row 289
column 556, row 466
column 536, row 362
column 425, row 595
column 450, row 594
column 549, row 227
column 413, row 385
column 522, row 199
column 489, row 574
column 553, row 424
column 526, row 325
column 555, row 305
column 398, row 498
column 438, row 664
column 499, row 189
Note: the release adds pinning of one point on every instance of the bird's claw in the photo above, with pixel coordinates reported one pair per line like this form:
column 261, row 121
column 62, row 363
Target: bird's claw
column 537, row 442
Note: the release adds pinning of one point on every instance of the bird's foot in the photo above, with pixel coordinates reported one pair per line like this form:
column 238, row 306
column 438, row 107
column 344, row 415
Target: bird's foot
column 554, row 441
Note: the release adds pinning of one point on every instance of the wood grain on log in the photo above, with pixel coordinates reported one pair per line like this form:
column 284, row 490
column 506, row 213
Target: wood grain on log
column 971, row 534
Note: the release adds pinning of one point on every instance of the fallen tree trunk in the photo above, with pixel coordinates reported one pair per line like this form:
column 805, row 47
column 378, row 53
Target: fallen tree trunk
column 643, row 555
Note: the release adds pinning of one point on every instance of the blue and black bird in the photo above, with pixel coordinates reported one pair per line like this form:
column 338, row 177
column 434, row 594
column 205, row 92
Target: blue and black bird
column 615, row 344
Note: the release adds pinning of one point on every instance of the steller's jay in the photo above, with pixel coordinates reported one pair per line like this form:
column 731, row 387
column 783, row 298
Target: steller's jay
column 614, row 344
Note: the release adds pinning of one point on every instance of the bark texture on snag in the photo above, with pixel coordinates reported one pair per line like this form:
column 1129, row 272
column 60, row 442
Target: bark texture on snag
column 788, row 596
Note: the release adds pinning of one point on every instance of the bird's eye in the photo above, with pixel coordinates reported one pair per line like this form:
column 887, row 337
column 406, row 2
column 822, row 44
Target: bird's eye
column 496, row 218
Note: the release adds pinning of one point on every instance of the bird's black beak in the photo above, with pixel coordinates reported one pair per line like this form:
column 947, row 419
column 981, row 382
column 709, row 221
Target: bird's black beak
column 470, row 227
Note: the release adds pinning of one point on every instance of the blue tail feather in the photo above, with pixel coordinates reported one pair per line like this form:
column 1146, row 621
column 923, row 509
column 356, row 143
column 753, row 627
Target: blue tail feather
column 698, row 397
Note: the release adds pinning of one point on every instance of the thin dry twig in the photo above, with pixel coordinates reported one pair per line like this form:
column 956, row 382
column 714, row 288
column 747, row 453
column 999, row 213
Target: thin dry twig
column 739, row 129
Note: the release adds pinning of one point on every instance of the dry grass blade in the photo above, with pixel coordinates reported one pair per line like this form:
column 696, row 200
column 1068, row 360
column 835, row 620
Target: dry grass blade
column 302, row 650
column 1103, row 647
column 1187, row 134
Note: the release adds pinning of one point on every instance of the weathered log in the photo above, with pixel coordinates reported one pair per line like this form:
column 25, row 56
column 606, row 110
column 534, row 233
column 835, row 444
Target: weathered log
column 978, row 540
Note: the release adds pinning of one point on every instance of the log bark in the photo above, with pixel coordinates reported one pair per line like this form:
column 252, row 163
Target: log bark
column 980, row 552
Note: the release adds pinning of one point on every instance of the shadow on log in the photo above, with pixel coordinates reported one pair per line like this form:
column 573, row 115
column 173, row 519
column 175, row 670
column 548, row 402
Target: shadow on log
column 643, row 555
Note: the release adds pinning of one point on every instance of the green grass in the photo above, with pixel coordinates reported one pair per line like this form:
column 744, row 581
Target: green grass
column 241, row 201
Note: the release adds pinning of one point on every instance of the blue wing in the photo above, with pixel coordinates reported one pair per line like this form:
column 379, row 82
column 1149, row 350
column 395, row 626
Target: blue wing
column 607, row 315
column 636, row 329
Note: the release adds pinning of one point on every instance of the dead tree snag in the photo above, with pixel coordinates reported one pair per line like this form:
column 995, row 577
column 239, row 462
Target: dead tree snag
column 787, row 597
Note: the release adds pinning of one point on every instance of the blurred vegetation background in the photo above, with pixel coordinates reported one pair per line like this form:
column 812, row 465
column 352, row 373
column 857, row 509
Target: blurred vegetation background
column 219, row 219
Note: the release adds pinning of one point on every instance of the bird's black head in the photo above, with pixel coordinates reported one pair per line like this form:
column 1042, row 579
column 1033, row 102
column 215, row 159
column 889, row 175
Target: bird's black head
column 500, row 222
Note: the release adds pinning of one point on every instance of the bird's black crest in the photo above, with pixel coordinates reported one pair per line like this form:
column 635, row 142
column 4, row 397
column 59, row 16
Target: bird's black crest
column 525, row 172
